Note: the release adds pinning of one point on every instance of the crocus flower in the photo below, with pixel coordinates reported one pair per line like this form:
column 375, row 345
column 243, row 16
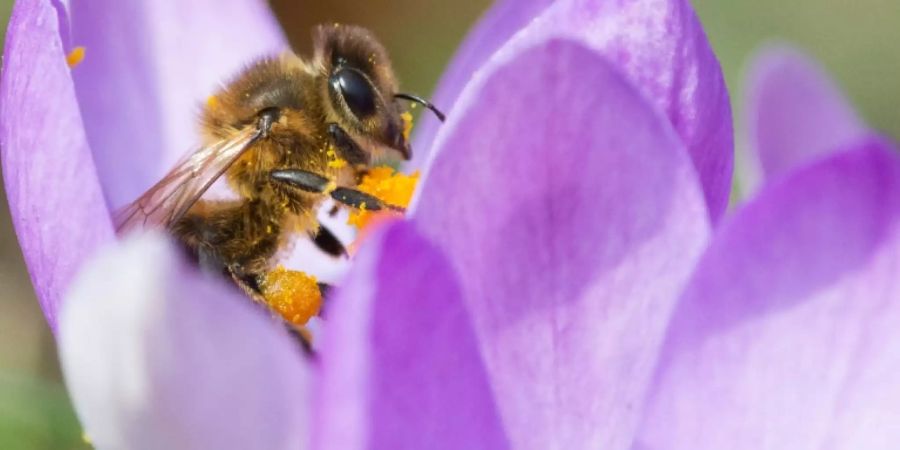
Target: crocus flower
column 556, row 284
column 785, row 336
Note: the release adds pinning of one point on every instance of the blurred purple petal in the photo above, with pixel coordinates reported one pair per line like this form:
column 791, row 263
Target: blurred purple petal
column 497, row 25
column 660, row 47
column 158, row 357
column 788, row 337
column 571, row 222
column 794, row 113
column 400, row 364
column 149, row 66
column 55, row 200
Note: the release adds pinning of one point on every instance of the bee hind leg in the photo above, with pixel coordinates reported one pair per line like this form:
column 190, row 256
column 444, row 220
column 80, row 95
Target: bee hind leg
column 252, row 285
column 249, row 283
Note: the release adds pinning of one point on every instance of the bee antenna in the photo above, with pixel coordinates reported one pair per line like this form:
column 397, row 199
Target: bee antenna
column 423, row 102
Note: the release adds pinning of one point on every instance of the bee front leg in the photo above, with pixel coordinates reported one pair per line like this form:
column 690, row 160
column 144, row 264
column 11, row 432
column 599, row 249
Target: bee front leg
column 307, row 181
column 360, row 200
column 346, row 146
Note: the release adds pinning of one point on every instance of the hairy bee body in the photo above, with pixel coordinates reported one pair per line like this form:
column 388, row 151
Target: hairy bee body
column 285, row 134
column 246, row 233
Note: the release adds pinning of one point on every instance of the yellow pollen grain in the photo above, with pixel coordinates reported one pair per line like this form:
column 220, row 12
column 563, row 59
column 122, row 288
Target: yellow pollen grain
column 335, row 161
column 407, row 119
column 386, row 184
column 212, row 101
column 75, row 57
column 294, row 295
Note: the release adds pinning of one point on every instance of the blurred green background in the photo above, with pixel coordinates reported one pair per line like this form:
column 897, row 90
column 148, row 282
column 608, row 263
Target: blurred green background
column 857, row 41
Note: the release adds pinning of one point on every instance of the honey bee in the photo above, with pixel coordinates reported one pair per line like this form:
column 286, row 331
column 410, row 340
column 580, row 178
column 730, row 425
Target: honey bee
column 286, row 134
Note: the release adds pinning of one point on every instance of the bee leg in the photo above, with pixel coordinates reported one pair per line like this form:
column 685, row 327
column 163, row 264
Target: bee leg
column 359, row 200
column 346, row 146
column 315, row 183
column 325, row 289
column 250, row 284
column 328, row 242
column 301, row 335
column 301, row 179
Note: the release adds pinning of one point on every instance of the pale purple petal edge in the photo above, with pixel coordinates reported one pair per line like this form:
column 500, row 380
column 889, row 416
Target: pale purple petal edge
column 785, row 338
column 793, row 113
column 54, row 197
column 157, row 355
column 554, row 214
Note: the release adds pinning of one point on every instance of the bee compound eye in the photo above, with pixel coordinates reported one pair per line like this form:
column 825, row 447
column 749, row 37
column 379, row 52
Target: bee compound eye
column 356, row 91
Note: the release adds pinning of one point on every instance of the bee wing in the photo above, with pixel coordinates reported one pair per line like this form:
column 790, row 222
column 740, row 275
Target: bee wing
column 170, row 198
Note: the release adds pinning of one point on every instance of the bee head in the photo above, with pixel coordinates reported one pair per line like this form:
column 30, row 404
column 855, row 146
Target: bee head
column 362, row 87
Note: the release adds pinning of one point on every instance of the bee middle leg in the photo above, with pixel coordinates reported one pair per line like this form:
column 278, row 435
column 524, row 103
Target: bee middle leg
column 346, row 147
column 326, row 241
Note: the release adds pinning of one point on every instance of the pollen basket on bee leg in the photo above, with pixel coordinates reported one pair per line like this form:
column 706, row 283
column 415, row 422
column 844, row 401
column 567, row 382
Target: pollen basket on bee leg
column 294, row 295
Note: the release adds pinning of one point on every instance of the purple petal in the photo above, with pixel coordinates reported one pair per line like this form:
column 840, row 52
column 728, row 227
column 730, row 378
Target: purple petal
column 571, row 222
column 55, row 200
column 149, row 66
column 400, row 363
column 156, row 356
column 660, row 47
column 794, row 114
column 787, row 337
column 497, row 25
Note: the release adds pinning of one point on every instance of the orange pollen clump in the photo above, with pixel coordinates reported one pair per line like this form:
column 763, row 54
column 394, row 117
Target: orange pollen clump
column 386, row 184
column 407, row 119
column 75, row 57
column 212, row 102
column 292, row 294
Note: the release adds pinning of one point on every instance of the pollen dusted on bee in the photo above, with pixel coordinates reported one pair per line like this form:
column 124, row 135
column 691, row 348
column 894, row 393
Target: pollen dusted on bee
column 294, row 295
column 335, row 162
column 212, row 102
column 407, row 119
column 386, row 184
